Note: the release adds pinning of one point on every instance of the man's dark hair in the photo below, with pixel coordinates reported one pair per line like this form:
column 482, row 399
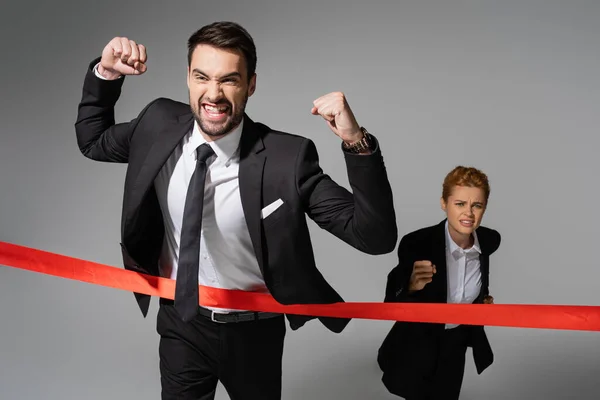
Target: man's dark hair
column 225, row 35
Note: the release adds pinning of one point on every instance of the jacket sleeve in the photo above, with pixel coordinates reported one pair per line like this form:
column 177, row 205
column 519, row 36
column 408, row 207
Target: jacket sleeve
column 98, row 136
column 364, row 218
column 398, row 279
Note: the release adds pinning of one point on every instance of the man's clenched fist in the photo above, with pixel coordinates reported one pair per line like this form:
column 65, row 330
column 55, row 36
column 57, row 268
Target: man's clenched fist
column 122, row 56
column 334, row 108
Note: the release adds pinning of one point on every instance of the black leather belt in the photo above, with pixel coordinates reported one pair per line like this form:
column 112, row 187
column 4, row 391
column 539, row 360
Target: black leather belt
column 228, row 317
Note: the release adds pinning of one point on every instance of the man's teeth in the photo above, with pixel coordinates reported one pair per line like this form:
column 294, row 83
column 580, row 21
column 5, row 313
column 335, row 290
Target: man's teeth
column 215, row 109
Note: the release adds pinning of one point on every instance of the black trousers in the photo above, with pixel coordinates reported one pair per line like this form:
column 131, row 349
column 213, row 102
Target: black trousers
column 245, row 356
column 447, row 375
column 437, row 366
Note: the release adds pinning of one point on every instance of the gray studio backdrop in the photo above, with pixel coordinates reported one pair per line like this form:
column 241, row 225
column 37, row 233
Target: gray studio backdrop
column 510, row 87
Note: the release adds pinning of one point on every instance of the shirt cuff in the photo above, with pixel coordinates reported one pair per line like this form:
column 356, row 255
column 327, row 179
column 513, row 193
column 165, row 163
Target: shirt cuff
column 99, row 75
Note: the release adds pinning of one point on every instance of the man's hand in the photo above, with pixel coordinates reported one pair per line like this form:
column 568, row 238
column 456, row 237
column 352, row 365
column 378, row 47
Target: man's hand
column 422, row 274
column 488, row 300
column 122, row 56
column 336, row 111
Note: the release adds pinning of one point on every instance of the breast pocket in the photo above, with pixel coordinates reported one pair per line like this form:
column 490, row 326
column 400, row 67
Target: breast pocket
column 275, row 212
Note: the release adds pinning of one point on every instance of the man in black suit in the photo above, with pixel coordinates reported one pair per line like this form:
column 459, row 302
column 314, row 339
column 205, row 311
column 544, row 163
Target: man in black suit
column 212, row 197
column 444, row 263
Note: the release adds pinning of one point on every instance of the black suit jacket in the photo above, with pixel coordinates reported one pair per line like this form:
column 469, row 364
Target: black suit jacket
column 429, row 244
column 273, row 165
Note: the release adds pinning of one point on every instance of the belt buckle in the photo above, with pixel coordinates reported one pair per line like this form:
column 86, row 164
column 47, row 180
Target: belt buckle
column 212, row 318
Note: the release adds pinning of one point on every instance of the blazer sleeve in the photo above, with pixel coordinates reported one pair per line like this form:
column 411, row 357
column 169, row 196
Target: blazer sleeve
column 398, row 279
column 98, row 136
column 364, row 218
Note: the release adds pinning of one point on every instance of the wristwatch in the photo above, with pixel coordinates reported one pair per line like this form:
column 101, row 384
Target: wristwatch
column 361, row 145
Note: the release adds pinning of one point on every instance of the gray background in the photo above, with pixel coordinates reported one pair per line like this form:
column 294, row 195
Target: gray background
column 510, row 87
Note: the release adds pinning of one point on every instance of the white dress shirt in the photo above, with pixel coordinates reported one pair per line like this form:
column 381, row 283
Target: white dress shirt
column 227, row 258
column 463, row 272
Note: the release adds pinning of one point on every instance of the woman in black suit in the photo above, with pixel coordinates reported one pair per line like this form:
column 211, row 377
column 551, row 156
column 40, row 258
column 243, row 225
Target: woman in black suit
column 444, row 263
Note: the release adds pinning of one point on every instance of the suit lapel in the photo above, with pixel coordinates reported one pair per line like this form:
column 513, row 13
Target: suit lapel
column 164, row 144
column 484, row 261
column 252, row 163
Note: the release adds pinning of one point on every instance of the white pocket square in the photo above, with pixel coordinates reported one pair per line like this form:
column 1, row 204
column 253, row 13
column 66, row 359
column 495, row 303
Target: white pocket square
column 268, row 210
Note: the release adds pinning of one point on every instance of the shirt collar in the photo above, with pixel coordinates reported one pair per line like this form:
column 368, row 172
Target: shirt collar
column 455, row 249
column 225, row 147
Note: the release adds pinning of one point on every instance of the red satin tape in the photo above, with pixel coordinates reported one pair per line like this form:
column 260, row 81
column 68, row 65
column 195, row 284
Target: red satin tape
column 582, row 318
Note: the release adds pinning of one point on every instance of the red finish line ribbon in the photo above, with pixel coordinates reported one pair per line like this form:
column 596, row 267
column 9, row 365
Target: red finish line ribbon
column 582, row 318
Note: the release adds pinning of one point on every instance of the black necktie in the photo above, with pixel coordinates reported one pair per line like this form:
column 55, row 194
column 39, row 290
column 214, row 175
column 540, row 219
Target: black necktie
column 186, row 286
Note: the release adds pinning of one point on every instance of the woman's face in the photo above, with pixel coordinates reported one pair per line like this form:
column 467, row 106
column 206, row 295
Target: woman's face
column 464, row 208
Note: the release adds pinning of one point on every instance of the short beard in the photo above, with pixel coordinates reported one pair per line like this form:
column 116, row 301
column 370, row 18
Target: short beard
column 213, row 130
